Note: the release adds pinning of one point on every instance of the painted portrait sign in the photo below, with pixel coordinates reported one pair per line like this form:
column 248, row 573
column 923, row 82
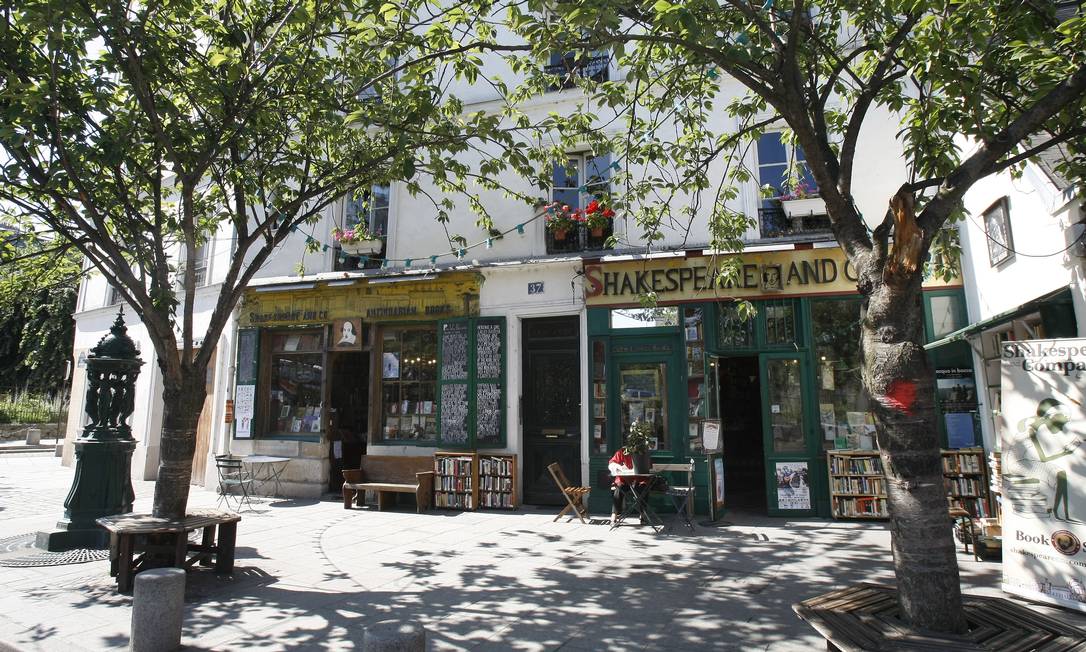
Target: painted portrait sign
column 1043, row 426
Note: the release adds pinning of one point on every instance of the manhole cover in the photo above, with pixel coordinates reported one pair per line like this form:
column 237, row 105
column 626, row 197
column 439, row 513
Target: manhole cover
column 20, row 552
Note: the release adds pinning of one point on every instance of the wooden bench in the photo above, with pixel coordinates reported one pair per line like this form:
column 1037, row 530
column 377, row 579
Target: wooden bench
column 130, row 534
column 867, row 617
column 389, row 474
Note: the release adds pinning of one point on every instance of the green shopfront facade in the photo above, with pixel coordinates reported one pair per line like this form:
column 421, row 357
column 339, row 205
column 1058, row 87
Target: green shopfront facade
column 755, row 402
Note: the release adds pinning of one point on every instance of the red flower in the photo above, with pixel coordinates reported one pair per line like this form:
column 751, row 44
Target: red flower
column 608, row 213
column 565, row 207
column 592, row 207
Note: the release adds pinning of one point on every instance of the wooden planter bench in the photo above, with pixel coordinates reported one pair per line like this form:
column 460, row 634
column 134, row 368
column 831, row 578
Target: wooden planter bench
column 389, row 474
column 867, row 617
column 130, row 534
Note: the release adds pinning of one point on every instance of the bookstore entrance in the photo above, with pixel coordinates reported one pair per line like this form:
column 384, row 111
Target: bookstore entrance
column 741, row 433
column 348, row 414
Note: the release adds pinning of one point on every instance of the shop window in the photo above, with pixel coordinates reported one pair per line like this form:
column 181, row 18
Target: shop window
column 294, row 400
column 733, row 330
column 409, row 384
column 783, row 389
column 947, row 315
column 844, row 414
column 576, row 183
column 660, row 317
column 643, row 397
column 780, row 323
column 599, row 397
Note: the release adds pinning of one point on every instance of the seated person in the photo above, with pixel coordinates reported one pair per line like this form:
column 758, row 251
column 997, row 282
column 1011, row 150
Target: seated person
column 620, row 462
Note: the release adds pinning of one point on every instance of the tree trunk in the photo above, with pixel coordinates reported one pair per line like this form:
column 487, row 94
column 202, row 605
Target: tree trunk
column 182, row 401
column 900, row 379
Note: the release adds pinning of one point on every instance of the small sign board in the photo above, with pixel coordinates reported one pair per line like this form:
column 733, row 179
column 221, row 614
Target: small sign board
column 535, row 287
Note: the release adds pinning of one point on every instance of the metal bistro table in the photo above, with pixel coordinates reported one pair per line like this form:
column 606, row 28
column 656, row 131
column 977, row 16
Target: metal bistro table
column 267, row 469
column 640, row 485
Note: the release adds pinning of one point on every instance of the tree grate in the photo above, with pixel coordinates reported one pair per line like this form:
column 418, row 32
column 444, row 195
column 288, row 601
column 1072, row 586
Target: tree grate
column 20, row 552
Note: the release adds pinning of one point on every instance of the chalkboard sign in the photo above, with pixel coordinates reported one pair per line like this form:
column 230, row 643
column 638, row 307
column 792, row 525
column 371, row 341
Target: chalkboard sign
column 454, row 351
column 488, row 350
column 488, row 413
column 454, row 413
column 247, row 356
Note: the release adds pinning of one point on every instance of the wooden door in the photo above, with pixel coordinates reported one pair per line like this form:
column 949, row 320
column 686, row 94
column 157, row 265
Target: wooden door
column 551, row 405
column 204, row 425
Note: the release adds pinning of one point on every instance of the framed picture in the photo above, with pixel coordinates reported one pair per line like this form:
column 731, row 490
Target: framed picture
column 599, row 389
column 347, row 334
column 390, row 365
column 692, row 334
column 997, row 226
column 598, row 410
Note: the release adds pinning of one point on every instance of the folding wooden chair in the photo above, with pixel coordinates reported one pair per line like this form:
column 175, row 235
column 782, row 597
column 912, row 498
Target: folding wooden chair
column 574, row 495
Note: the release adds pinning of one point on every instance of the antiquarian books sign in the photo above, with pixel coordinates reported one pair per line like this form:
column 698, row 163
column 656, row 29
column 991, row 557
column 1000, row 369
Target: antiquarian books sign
column 1043, row 426
column 771, row 273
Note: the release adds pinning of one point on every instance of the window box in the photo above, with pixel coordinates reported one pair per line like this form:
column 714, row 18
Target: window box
column 361, row 247
column 803, row 207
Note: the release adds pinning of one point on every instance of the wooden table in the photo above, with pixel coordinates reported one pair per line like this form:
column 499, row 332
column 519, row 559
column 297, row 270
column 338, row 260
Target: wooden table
column 867, row 617
column 130, row 534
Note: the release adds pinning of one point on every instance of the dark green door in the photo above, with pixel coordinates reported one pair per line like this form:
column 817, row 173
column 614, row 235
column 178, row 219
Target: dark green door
column 649, row 388
column 791, row 470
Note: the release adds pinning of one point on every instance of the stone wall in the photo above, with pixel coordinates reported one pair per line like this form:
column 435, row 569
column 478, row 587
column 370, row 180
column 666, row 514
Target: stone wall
column 15, row 431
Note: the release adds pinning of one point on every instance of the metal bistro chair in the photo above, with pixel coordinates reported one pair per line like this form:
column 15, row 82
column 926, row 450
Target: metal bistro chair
column 233, row 474
column 682, row 497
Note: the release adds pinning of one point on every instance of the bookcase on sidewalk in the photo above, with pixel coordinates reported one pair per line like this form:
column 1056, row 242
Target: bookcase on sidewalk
column 455, row 480
column 857, row 485
column 497, row 481
column 965, row 475
column 470, row 480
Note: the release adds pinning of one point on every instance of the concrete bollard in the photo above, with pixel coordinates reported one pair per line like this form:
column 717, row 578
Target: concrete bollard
column 394, row 636
column 33, row 436
column 158, row 603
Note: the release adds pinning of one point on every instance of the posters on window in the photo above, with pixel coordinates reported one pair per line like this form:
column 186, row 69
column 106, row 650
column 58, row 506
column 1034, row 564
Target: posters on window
column 793, row 486
column 1042, row 428
column 244, row 404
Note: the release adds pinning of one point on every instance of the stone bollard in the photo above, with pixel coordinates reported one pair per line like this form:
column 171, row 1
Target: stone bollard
column 33, row 436
column 158, row 604
column 394, row 636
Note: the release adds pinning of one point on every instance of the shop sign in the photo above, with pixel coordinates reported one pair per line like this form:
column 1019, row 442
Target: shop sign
column 450, row 295
column 1043, row 432
column 765, row 274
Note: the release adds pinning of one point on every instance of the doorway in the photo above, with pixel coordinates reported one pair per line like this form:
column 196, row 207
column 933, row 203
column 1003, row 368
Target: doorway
column 550, row 405
column 348, row 414
column 741, row 431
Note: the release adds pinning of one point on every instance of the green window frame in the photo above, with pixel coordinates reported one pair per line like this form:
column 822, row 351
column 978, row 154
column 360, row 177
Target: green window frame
column 471, row 388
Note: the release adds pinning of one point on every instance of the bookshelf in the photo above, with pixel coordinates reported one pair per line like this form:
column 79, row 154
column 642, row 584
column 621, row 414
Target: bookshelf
column 497, row 481
column 455, row 481
column 965, row 475
column 857, row 485
column 694, row 338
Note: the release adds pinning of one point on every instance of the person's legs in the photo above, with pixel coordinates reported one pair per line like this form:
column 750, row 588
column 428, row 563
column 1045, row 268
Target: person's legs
column 616, row 503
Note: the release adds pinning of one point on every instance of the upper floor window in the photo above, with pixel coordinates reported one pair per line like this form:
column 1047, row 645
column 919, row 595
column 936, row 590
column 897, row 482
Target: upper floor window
column 114, row 298
column 790, row 201
column 576, row 184
column 568, row 66
column 997, row 226
column 372, row 92
column 200, row 266
column 369, row 211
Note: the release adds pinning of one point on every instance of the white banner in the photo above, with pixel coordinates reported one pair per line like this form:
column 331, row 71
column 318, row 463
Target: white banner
column 244, row 409
column 1043, row 427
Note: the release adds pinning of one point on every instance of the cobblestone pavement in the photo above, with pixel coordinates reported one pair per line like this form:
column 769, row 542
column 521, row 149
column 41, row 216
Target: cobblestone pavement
column 311, row 575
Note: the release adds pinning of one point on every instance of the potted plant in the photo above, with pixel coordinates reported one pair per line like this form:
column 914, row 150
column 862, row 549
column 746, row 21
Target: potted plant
column 637, row 445
column 597, row 218
column 357, row 241
column 801, row 201
column 561, row 218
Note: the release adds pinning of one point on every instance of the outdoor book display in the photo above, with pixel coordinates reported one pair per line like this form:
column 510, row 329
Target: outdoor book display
column 455, row 485
column 857, row 485
column 695, row 375
column 966, row 480
column 471, row 481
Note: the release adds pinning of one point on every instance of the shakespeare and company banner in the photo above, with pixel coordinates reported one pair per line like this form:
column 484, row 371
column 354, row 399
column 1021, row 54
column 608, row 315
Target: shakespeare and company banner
column 1043, row 425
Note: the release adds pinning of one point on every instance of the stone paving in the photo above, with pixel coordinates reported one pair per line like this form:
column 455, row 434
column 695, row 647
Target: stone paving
column 311, row 575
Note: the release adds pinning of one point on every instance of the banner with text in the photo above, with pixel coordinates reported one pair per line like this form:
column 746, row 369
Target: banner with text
column 1043, row 425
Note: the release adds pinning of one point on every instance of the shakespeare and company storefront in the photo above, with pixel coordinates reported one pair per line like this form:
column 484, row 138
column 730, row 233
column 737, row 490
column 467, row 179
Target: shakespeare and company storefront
column 755, row 402
column 327, row 368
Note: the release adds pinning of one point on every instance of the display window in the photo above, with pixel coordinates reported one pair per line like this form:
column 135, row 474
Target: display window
column 844, row 414
column 294, row 402
column 408, row 357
